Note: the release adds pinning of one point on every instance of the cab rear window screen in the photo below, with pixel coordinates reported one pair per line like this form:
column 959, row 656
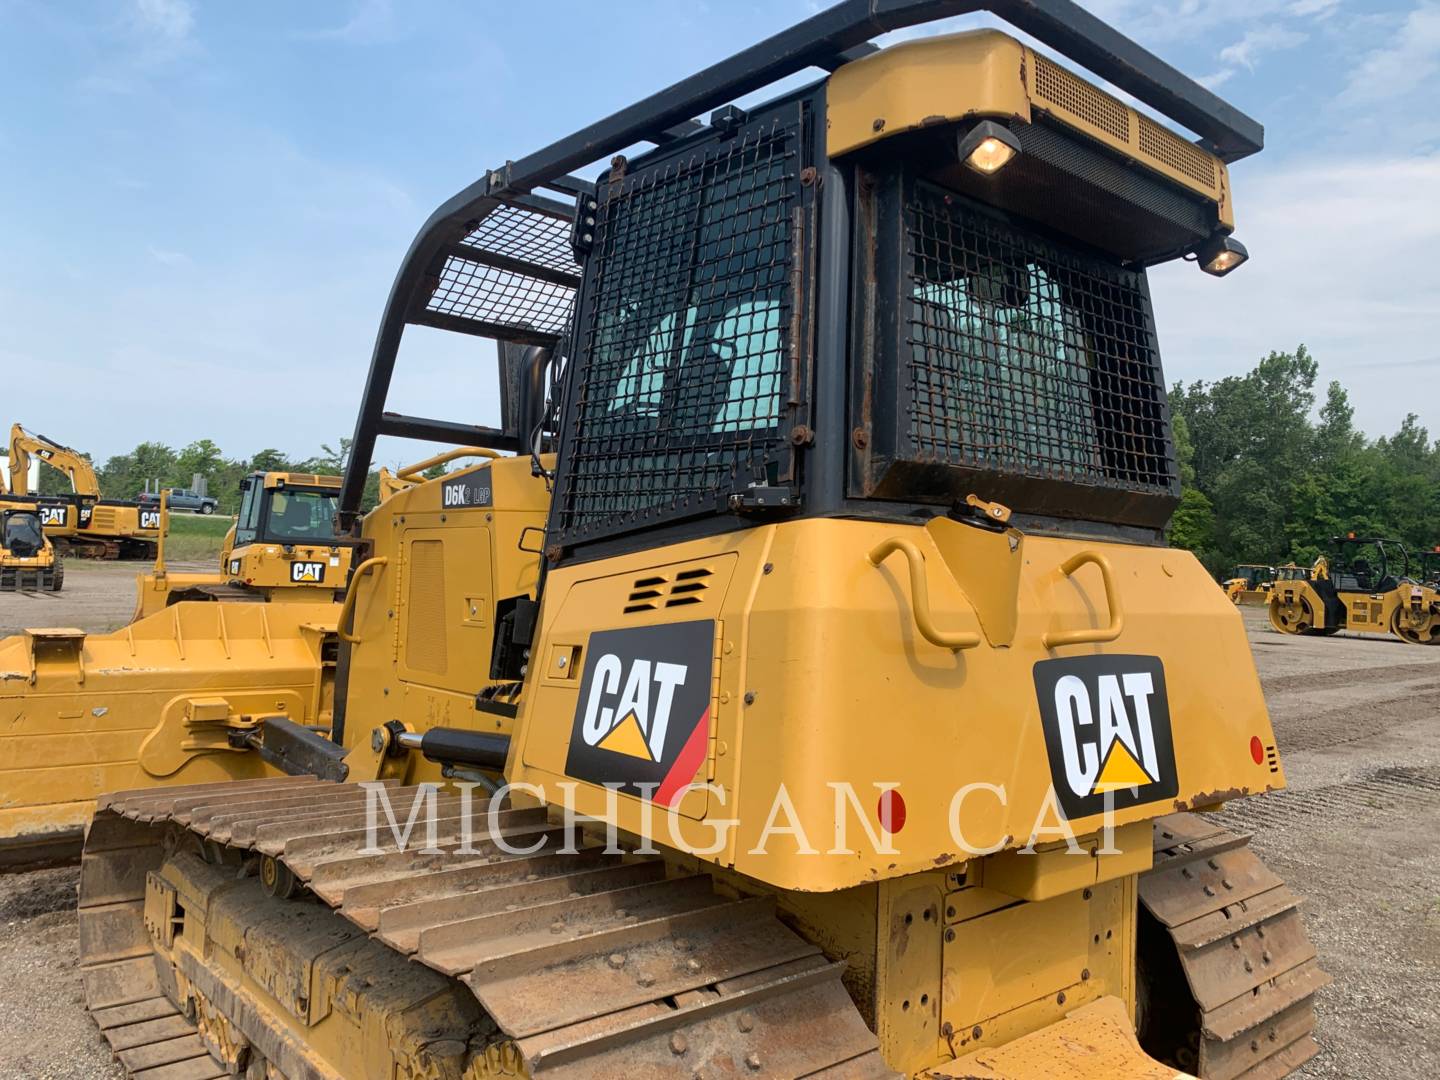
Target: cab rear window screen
column 1023, row 358
column 682, row 374
column 995, row 359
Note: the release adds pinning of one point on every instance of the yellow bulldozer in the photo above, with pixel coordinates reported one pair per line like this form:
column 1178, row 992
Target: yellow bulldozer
column 812, row 694
column 282, row 547
column 28, row 560
column 1363, row 585
column 1249, row 584
column 173, row 697
column 81, row 522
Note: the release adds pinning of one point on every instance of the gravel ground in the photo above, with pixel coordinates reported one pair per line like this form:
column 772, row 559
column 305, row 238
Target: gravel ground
column 97, row 596
column 1357, row 833
column 44, row 1032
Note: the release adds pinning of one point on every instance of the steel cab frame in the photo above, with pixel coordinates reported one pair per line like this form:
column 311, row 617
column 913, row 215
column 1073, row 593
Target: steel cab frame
column 1346, row 574
column 506, row 259
column 255, row 522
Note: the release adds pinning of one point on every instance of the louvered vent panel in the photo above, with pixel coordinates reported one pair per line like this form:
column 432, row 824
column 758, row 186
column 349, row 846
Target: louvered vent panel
column 1161, row 143
column 1058, row 87
column 425, row 638
column 667, row 590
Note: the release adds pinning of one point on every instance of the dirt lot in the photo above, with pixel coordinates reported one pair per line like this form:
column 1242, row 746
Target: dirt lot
column 1357, row 833
column 97, row 596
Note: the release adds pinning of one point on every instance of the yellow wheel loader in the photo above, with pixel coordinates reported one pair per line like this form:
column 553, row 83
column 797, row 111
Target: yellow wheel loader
column 1363, row 586
column 28, row 561
column 282, row 547
column 83, row 523
column 847, row 716
column 1250, row 584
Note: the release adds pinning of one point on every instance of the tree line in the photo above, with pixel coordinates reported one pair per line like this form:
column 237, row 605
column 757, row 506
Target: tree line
column 1267, row 478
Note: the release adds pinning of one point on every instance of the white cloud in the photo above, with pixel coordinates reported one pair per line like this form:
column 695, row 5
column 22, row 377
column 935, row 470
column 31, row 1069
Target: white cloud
column 1407, row 60
column 1246, row 52
column 1342, row 260
column 169, row 258
column 1320, row 9
column 373, row 21
column 173, row 19
column 1216, row 78
column 1257, row 42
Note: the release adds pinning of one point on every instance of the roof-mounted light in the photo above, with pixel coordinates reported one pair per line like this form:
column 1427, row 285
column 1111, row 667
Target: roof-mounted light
column 987, row 147
column 1221, row 254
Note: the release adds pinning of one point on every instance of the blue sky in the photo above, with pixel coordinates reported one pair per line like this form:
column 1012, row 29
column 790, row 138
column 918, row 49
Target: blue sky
column 203, row 204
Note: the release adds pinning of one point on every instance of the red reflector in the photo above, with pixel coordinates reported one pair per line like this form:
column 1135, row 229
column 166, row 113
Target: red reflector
column 891, row 811
column 1257, row 749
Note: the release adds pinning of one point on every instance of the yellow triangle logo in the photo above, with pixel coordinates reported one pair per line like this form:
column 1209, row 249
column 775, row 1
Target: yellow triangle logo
column 626, row 738
column 1121, row 770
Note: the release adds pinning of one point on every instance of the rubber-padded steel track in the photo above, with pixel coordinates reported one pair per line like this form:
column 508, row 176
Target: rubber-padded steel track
column 1239, row 940
column 592, row 964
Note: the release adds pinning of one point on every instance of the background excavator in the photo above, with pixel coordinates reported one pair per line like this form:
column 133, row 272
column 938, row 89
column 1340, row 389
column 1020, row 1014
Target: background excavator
column 800, row 538
column 82, row 523
column 1363, row 585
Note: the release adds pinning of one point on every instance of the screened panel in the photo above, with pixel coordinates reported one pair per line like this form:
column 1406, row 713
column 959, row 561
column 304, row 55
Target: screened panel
column 679, row 394
column 992, row 358
column 1024, row 358
column 512, row 276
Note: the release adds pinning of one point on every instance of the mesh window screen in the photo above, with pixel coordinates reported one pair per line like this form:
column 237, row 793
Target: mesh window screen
column 1020, row 358
column 679, row 393
column 497, row 276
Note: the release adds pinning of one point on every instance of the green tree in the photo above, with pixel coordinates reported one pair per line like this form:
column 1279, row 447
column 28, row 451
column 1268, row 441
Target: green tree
column 269, row 460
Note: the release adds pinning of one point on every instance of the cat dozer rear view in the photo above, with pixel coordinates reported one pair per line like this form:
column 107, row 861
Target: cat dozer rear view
column 851, row 602
column 1364, row 586
column 28, row 562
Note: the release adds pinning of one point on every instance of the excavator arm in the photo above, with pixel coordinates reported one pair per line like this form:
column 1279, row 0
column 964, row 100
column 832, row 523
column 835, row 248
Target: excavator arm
column 75, row 465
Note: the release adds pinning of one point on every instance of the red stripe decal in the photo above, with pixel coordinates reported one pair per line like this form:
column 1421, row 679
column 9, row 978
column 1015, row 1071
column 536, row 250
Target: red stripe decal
column 687, row 762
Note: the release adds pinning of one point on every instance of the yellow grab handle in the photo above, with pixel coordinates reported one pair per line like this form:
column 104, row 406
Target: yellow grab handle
column 1112, row 599
column 347, row 609
column 920, row 595
column 412, row 472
